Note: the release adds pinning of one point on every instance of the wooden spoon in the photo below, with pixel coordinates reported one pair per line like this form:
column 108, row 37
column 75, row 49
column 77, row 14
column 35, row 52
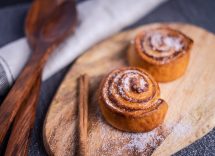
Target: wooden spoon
column 48, row 23
column 23, row 124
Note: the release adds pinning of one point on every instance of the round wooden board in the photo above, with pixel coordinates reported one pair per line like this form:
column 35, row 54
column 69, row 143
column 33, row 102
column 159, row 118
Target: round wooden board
column 191, row 111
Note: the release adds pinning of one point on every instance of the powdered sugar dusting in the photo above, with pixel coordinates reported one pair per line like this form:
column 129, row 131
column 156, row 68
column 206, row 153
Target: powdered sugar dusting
column 173, row 42
column 182, row 129
column 138, row 76
column 165, row 43
column 114, row 142
column 123, row 85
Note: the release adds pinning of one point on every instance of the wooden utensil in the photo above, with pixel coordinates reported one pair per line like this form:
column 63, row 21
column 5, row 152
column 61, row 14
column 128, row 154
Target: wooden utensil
column 190, row 98
column 48, row 23
column 23, row 124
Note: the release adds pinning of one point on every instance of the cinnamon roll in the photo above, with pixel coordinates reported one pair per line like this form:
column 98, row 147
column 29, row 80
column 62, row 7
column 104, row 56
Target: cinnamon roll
column 163, row 52
column 129, row 100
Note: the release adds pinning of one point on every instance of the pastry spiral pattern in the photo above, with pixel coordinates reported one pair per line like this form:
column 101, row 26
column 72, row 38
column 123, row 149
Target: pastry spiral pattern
column 129, row 100
column 162, row 51
column 162, row 45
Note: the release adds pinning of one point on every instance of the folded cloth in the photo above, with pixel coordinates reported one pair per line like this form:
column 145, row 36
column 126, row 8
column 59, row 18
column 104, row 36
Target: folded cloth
column 98, row 19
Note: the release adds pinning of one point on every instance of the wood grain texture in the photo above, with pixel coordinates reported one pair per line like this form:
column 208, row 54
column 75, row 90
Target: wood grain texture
column 190, row 98
column 48, row 23
column 23, row 124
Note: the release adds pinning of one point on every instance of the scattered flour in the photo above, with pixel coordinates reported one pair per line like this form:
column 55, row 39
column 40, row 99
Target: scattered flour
column 182, row 129
column 107, row 140
column 110, row 141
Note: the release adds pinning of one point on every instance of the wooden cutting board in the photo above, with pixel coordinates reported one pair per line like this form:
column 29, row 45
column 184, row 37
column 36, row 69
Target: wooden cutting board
column 191, row 100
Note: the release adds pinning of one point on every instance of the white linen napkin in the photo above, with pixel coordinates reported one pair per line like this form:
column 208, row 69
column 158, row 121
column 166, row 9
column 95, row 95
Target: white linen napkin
column 98, row 19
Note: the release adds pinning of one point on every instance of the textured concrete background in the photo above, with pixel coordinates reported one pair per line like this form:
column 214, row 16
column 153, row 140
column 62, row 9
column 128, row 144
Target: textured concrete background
column 198, row 12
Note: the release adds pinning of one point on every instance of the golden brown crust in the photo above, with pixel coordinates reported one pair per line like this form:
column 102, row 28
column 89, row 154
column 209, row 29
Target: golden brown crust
column 163, row 52
column 129, row 100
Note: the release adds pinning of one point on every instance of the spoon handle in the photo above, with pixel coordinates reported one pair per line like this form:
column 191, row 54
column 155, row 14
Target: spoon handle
column 23, row 124
column 19, row 93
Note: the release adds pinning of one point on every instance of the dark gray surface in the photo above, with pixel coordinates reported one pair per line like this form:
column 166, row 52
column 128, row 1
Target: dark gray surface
column 5, row 3
column 199, row 12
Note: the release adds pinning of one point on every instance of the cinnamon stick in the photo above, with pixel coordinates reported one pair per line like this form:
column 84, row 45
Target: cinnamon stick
column 83, row 114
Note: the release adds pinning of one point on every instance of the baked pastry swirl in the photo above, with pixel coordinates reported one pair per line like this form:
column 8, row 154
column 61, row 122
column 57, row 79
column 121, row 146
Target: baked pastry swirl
column 163, row 52
column 129, row 100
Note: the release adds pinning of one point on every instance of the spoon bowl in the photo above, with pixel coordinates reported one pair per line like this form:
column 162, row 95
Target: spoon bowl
column 50, row 25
